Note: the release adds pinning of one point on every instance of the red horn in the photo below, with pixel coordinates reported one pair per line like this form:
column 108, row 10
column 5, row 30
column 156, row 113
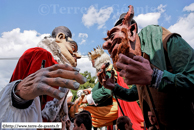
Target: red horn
column 128, row 17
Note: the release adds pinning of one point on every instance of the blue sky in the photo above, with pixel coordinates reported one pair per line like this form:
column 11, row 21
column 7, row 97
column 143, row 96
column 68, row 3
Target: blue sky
column 23, row 23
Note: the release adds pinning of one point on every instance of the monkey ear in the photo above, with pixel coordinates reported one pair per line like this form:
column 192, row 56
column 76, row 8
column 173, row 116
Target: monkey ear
column 60, row 36
column 133, row 31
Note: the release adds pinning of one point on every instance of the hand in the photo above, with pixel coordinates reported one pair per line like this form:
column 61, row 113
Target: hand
column 87, row 91
column 104, row 79
column 42, row 81
column 85, row 100
column 136, row 70
column 65, row 124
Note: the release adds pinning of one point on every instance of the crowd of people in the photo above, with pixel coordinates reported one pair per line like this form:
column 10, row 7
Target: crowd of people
column 158, row 64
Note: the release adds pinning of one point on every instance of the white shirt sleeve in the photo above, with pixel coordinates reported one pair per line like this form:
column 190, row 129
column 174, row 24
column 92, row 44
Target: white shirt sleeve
column 9, row 113
column 69, row 94
column 90, row 100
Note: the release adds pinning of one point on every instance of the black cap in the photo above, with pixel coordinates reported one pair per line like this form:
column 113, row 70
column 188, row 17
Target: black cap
column 121, row 19
column 62, row 29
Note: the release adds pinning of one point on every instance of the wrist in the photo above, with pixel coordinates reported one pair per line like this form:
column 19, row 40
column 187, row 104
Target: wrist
column 17, row 90
column 156, row 78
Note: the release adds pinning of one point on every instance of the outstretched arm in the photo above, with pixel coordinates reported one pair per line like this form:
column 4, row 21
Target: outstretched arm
column 42, row 81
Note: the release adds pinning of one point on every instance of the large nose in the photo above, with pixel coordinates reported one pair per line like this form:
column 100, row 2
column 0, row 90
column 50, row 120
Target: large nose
column 106, row 45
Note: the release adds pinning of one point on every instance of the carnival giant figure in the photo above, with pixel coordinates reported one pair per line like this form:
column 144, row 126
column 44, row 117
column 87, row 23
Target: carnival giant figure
column 161, row 64
column 102, row 103
column 37, row 73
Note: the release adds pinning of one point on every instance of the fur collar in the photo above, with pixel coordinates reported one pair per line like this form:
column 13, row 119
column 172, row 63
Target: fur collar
column 51, row 46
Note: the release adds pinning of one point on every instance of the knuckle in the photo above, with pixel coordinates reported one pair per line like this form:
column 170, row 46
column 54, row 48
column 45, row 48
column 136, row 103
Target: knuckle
column 56, row 66
column 57, row 80
column 146, row 60
column 76, row 73
column 59, row 71
column 66, row 65
column 125, row 67
column 55, row 93
column 66, row 81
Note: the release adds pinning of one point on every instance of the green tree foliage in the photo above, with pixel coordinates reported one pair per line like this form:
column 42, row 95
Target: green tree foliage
column 89, row 84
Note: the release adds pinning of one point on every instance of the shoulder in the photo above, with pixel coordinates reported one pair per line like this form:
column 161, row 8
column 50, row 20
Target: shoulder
column 151, row 28
column 36, row 49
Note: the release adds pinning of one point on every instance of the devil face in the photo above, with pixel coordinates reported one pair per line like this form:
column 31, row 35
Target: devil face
column 68, row 48
column 122, row 39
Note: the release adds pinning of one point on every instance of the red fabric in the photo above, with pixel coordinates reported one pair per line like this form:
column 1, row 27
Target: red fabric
column 30, row 62
column 130, row 109
column 110, row 127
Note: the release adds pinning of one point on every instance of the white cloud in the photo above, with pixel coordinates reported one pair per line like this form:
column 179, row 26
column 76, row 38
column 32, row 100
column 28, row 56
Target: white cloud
column 13, row 44
column 94, row 16
column 85, row 65
column 150, row 18
column 185, row 27
column 189, row 8
column 146, row 19
column 83, row 37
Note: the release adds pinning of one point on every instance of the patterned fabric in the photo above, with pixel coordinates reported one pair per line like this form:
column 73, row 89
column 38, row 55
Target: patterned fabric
column 104, row 115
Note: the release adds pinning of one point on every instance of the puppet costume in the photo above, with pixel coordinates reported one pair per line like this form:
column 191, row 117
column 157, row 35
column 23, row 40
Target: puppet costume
column 172, row 95
column 106, row 109
column 15, row 109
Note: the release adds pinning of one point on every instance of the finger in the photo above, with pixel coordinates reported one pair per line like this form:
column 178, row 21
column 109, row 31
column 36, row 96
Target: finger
column 122, row 73
column 67, row 122
column 65, row 83
column 126, row 60
column 132, row 69
column 121, row 66
column 104, row 66
column 100, row 75
column 128, row 82
column 63, row 66
column 53, row 92
column 112, row 74
column 106, row 77
column 139, row 58
column 73, row 75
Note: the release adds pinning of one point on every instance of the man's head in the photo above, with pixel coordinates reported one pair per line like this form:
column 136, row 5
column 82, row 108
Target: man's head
column 98, row 57
column 67, row 46
column 152, row 118
column 61, row 29
column 83, row 121
column 124, row 123
column 123, row 38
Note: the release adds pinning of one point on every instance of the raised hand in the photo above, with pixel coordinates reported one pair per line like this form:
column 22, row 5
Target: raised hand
column 136, row 70
column 42, row 81
column 104, row 79
column 65, row 124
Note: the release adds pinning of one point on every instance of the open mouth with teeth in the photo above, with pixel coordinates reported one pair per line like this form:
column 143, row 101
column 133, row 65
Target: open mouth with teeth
column 120, row 44
column 123, row 48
